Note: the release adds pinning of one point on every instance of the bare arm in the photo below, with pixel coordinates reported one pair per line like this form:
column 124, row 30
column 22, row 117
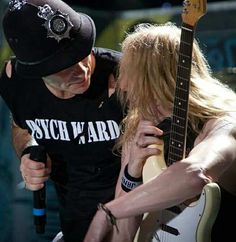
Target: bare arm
column 100, row 227
column 213, row 154
column 33, row 173
column 127, row 226
column 218, row 139
column 20, row 139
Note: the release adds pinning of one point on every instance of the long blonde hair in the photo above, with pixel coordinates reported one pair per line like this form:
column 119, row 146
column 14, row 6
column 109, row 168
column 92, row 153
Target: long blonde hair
column 149, row 66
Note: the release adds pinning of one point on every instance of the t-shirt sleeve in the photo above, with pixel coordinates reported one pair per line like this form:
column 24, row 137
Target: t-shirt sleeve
column 9, row 91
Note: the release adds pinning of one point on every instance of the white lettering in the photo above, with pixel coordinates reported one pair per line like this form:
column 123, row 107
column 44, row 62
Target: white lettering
column 102, row 133
column 78, row 128
column 36, row 131
column 92, row 136
column 63, row 130
column 53, row 126
column 44, row 124
column 113, row 128
column 97, row 131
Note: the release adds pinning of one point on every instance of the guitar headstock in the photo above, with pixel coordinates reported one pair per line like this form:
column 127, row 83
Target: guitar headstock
column 193, row 10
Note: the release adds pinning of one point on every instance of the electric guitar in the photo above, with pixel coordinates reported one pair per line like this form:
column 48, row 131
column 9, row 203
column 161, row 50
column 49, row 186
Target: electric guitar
column 192, row 220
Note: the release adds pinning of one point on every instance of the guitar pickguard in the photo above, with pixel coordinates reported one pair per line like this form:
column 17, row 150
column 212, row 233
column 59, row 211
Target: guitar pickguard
column 183, row 223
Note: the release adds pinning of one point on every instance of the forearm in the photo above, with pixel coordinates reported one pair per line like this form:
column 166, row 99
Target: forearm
column 215, row 155
column 127, row 229
column 20, row 139
column 128, row 226
column 207, row 162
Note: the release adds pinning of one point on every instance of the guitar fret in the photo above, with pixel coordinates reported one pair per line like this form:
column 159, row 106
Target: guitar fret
column 179, row 88
column 186, row 43
column 184, row 60
column 180, row 134
column 179, row 109
column 180, row 118
column 180, row 112
column 184, row 67
column 182, row 78
column 185, row 56
column 184, row 87
column 178, row 126
column 175, row 155
column 178, row 141
column 181, row 99
column 174, row 148
column 187, row 68
column 177, row 121
column 184, row 71
column 174, row 159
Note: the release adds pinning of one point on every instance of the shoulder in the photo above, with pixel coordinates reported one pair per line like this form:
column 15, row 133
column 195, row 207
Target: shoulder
column 9, row 78
column 224, row 125
column 107, row 60
column 8, row 71
column 107, row 54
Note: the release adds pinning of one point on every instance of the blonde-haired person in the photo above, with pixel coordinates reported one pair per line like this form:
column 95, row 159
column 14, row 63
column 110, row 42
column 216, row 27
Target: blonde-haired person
column 147, row 82
column 60, row 89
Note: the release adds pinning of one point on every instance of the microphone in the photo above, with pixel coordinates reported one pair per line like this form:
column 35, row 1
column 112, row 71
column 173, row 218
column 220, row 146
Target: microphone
column 38, row 153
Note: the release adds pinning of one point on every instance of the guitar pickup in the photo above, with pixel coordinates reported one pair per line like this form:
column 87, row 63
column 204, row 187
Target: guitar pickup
column 169, row 229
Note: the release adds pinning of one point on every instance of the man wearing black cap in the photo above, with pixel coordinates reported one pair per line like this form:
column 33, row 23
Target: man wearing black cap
column 60, row 90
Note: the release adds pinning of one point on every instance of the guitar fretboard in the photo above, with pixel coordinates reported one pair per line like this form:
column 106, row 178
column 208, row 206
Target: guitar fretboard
column 178, row 132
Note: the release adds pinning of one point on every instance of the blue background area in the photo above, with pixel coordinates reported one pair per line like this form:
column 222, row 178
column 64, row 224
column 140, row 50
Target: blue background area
column 16, row 220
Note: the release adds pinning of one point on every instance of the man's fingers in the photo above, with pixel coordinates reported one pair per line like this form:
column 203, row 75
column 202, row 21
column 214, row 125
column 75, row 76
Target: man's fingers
column 33, row 187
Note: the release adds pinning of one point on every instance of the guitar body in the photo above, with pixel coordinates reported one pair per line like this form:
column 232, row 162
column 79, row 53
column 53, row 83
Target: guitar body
column 187, row 222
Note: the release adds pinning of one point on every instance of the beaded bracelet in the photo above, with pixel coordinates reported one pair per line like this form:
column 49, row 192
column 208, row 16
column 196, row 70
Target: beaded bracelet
column 109, row 214
column 129, row 182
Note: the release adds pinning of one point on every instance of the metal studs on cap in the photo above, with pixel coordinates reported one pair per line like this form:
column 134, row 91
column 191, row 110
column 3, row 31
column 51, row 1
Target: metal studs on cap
column 16, row 4
column 57, row 24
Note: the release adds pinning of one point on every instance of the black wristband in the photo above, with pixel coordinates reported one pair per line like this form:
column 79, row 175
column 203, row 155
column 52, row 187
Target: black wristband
column 26, row 150
column 129, row 182
column 131, row 178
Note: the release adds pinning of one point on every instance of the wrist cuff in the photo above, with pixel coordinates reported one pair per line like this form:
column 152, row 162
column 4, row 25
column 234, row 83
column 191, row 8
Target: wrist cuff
column 129, row 182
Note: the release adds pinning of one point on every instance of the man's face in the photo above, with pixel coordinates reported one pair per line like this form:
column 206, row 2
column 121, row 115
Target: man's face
column 75, row 79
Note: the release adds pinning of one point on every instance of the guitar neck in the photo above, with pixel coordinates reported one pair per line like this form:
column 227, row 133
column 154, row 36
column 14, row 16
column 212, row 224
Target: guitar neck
column 178, row 132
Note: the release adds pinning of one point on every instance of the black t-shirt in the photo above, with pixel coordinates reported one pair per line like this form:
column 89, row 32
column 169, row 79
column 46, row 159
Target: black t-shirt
column 78, row 133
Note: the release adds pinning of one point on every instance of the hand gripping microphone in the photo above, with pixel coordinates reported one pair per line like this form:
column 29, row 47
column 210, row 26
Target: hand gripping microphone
column 38, row 153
